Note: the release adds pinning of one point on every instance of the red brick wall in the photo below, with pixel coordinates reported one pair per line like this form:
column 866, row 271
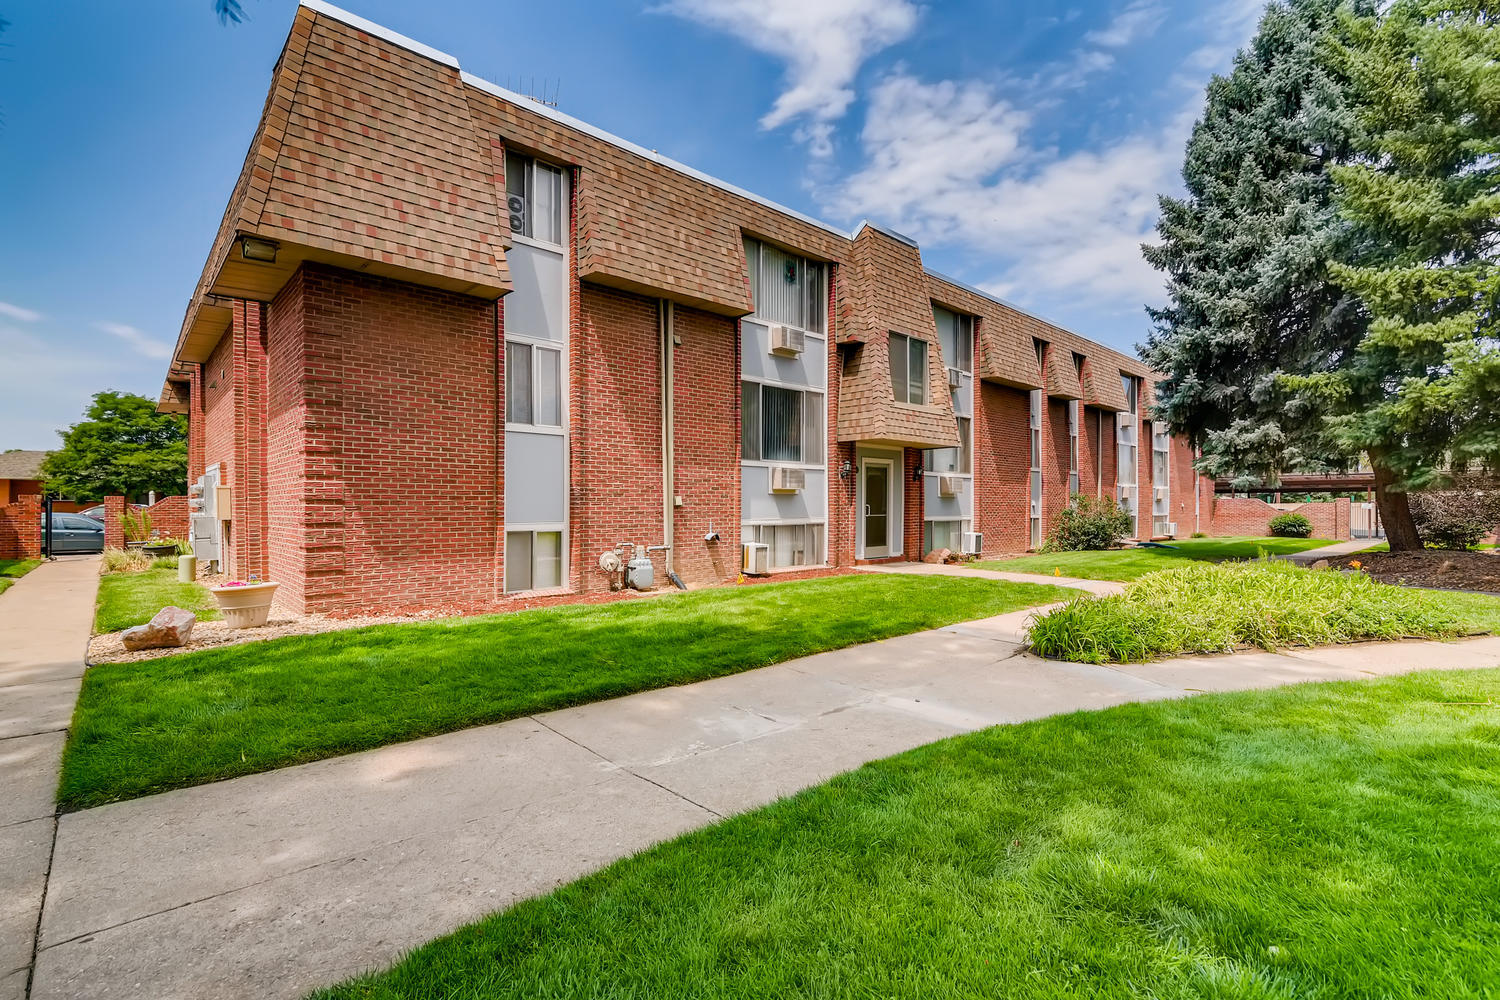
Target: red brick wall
column 1250, row 516
column 114, row 530
column 12, row 490
column 21, row 528
column 287, row 367
column 913, row 508
column 169, row 517
column 1002, row 467
column 616, row 490
column 217, row 421
column 706, row 446
column 1054, row 461
column 400, row 498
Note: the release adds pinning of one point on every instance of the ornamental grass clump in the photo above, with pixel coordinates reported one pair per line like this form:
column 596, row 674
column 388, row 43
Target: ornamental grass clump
column 1208, row 608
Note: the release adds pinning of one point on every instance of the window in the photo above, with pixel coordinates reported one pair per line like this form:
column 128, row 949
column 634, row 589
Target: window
column 534, row 198
column 956, row 338
column 1038, row 401
column 780, row 425
column 789, row 544
column 908, row 369
column 942, row 535
column 1131, row 385
column 1161, row 478
column 1075, row 418
column 533, row 384
column 533, row 560
column 785, row 288
column 954, row 460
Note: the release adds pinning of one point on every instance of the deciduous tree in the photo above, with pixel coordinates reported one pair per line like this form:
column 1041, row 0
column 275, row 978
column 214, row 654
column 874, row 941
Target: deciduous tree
column 122, row 446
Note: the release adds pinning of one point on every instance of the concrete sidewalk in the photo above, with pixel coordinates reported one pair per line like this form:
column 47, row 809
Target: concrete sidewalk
column 1100, row 588
column 273, row 884
column 45, row 620
column 1334, row 551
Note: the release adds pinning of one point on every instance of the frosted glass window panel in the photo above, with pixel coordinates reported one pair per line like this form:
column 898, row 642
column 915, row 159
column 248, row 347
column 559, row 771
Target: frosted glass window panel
column 750, row 420
column 812, row 428
column 517, row 560
column 547, row 553
column 781, row 424
column 965, row 454
column 548, row 387
column 546, row 214
column 518, row 409
column 916, row 374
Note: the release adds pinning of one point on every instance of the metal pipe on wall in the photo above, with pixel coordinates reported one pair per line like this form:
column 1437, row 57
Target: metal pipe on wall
column 666, row 316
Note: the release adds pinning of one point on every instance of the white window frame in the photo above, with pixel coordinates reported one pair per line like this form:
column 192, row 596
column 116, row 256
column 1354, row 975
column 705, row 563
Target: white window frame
column 1034, row 422
column 1161, row 478
column 789, row 387
column 1075, row 421
column 755, row 527
column 534, row 529
column 530, row 167
column 806, row 266
column 1127, row 452
column 965, row 525
column 539, row 344
column 907, row 340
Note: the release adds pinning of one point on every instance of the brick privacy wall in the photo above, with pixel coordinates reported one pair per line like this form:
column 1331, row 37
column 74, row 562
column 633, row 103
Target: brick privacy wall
column 169, row 517
column 616, row 492
column 114, row 531
column 1251, row 516
column 705, row 446
column 1002, row 467
column 21, row 528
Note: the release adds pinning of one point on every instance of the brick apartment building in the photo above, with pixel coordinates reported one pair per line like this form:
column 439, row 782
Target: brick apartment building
column 450, row 342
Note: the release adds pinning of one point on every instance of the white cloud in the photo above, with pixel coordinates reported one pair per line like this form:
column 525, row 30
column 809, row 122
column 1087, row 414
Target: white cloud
column 142, row 343
column 1138, row 20
column 46, row 385
column 949, row 163
column 822, row 42
column 15, row 312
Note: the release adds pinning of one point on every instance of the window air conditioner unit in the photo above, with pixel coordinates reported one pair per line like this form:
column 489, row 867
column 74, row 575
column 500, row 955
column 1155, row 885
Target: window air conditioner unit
column 1172, row 528
column 1159, row 494
column 757, row 559
column 1127, row 434
column 954, row 379
column 787, row 340
column 947, row 486
column 972, row 542
column 785, row 479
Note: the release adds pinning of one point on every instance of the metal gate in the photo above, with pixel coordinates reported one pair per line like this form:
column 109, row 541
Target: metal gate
column 1364, row 521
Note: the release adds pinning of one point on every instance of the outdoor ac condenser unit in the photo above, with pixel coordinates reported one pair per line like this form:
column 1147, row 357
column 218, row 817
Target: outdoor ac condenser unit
column 757, row 559
column 947, row 486
column 972, row 542
column 787, row 340
column 785, row 479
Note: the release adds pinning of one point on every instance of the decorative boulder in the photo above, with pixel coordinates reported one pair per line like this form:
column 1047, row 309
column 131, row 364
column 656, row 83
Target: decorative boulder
column 938, row 556
column 170, row 627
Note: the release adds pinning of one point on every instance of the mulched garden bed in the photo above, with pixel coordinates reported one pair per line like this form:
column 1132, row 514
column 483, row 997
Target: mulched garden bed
column 1432, row 568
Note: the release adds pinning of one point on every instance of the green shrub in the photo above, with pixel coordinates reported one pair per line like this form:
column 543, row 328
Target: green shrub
column 1209, row 608
column 1455, row 519
column 1088, row 524
column 136, row 524
column 1200, row 534
column 1291, row 525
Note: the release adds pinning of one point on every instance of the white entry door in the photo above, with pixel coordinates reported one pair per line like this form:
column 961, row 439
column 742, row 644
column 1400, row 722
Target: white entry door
column 879, row 515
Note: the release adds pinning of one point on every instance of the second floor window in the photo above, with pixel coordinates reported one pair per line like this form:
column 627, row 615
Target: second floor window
column 785, row 288
column 956, row 336
column 778, row 424
column 1131, row 385
column 534, row 199
column 533, row 384
column 908, row 369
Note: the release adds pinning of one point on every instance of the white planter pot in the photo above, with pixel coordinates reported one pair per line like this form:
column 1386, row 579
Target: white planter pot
column 246, row 606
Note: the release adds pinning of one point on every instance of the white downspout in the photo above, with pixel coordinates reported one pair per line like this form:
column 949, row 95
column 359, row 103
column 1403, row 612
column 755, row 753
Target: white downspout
column 668, row 463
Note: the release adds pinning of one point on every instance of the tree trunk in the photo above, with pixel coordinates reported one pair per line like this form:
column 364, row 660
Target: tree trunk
column 1395, row 512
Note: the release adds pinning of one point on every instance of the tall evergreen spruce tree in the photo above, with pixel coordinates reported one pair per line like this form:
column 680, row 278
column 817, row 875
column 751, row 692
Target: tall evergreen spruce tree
column 1247, row 257
column 1426, row 79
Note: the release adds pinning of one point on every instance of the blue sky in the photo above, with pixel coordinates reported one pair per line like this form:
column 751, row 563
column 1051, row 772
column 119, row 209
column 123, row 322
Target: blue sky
column 1022, row 144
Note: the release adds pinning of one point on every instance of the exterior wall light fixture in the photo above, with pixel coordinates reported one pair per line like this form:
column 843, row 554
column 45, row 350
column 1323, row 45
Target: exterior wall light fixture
column 257, row 249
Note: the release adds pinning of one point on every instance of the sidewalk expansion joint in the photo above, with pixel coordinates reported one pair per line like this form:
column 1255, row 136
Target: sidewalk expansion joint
column 634, row 774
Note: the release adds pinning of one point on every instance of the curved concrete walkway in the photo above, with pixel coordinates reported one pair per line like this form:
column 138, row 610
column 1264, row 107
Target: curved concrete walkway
column 45, row 619
column 274, row 884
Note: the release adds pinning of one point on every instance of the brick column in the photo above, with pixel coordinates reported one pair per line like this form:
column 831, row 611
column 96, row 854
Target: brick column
column 114, row 532
column 195, row 425
column 248, row 529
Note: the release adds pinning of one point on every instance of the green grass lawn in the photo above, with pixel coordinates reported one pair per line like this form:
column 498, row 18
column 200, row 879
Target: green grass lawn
column 1131, row 564
column 1217, row 608
column 128, row 599
column 183, row 720
column 12, row 570
column 1319, row 841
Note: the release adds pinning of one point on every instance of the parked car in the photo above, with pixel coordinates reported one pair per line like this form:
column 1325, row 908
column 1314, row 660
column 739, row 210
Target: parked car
column 75, row 533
